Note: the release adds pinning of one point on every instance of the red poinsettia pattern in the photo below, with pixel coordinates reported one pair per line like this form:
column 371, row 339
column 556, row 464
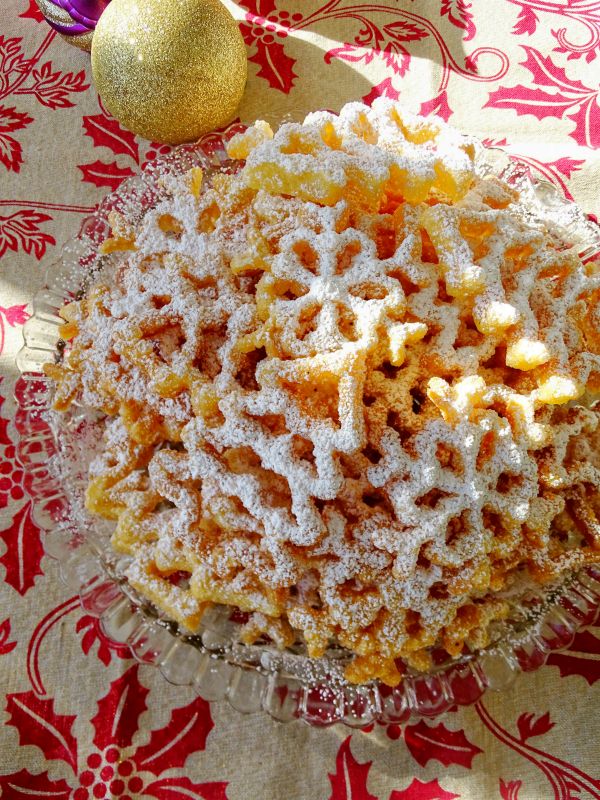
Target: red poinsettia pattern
column 100, row 734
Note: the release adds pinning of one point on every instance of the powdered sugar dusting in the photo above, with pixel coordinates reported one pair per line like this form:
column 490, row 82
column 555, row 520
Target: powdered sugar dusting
column 340, row 382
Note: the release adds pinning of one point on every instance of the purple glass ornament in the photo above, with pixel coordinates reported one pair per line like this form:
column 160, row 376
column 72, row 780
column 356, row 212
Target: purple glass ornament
column 84, row 13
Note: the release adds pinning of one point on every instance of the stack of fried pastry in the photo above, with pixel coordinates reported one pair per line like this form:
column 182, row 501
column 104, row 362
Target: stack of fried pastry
column 348, row 390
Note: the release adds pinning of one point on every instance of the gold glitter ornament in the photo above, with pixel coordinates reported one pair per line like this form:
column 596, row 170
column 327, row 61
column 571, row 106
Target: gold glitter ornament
column 169, row 70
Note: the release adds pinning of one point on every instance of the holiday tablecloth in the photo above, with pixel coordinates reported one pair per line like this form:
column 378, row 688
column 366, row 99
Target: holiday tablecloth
column 78, row 718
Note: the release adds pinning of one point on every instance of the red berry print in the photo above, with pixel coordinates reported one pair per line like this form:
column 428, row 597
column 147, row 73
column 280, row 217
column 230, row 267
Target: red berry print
column 136, row 784
column 94, row 760
column 112, row 755
column 86, row 778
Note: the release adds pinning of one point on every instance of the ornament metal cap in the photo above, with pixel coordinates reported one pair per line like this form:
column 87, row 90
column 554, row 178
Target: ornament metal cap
column 75, row 20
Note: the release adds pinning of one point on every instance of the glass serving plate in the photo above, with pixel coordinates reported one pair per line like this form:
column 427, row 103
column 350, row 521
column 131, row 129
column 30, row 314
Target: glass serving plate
column 55, row 450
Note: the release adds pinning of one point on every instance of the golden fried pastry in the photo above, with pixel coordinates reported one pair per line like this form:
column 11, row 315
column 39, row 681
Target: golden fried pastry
column 340, row 392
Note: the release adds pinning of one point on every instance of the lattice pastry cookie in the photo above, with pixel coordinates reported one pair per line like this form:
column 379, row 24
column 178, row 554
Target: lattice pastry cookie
column 340, row 389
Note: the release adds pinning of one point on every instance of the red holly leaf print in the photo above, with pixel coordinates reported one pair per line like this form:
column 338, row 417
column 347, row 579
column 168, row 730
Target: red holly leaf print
column 395, row 57
column 15, row 315
column 11, row 60
column 185, row 733
column 405, row 31
column 38, row 724
column 101, row 174
column 52, row 89
column 438, row 106
column 509, row 790
column 528, row 728
column 119, row 711
column 275, row 66
column 5, row 645
column 33, row 12
column 383, row 89
column 386, row 44
column 439, row 744
column 553, row 171
column 353, row 53
column 259, row 8
column 587, row 122
column 459, row 15
column 20, row 230
column 24, row 551
column 568, row 94
column 525, row 100
column 565, row 165
column 349, row 781
column 423, row 791
column 582, row 657
column 526, row 22
column 11, row 154
column 248, row 31
column 546, row 73
column 184, row 789
column 94, row 633
column 106, row 132
column 13, row 120
column 23, row 785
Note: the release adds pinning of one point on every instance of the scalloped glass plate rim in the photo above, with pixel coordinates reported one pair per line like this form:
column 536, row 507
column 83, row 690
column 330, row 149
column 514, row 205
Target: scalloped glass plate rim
column 259, row 677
